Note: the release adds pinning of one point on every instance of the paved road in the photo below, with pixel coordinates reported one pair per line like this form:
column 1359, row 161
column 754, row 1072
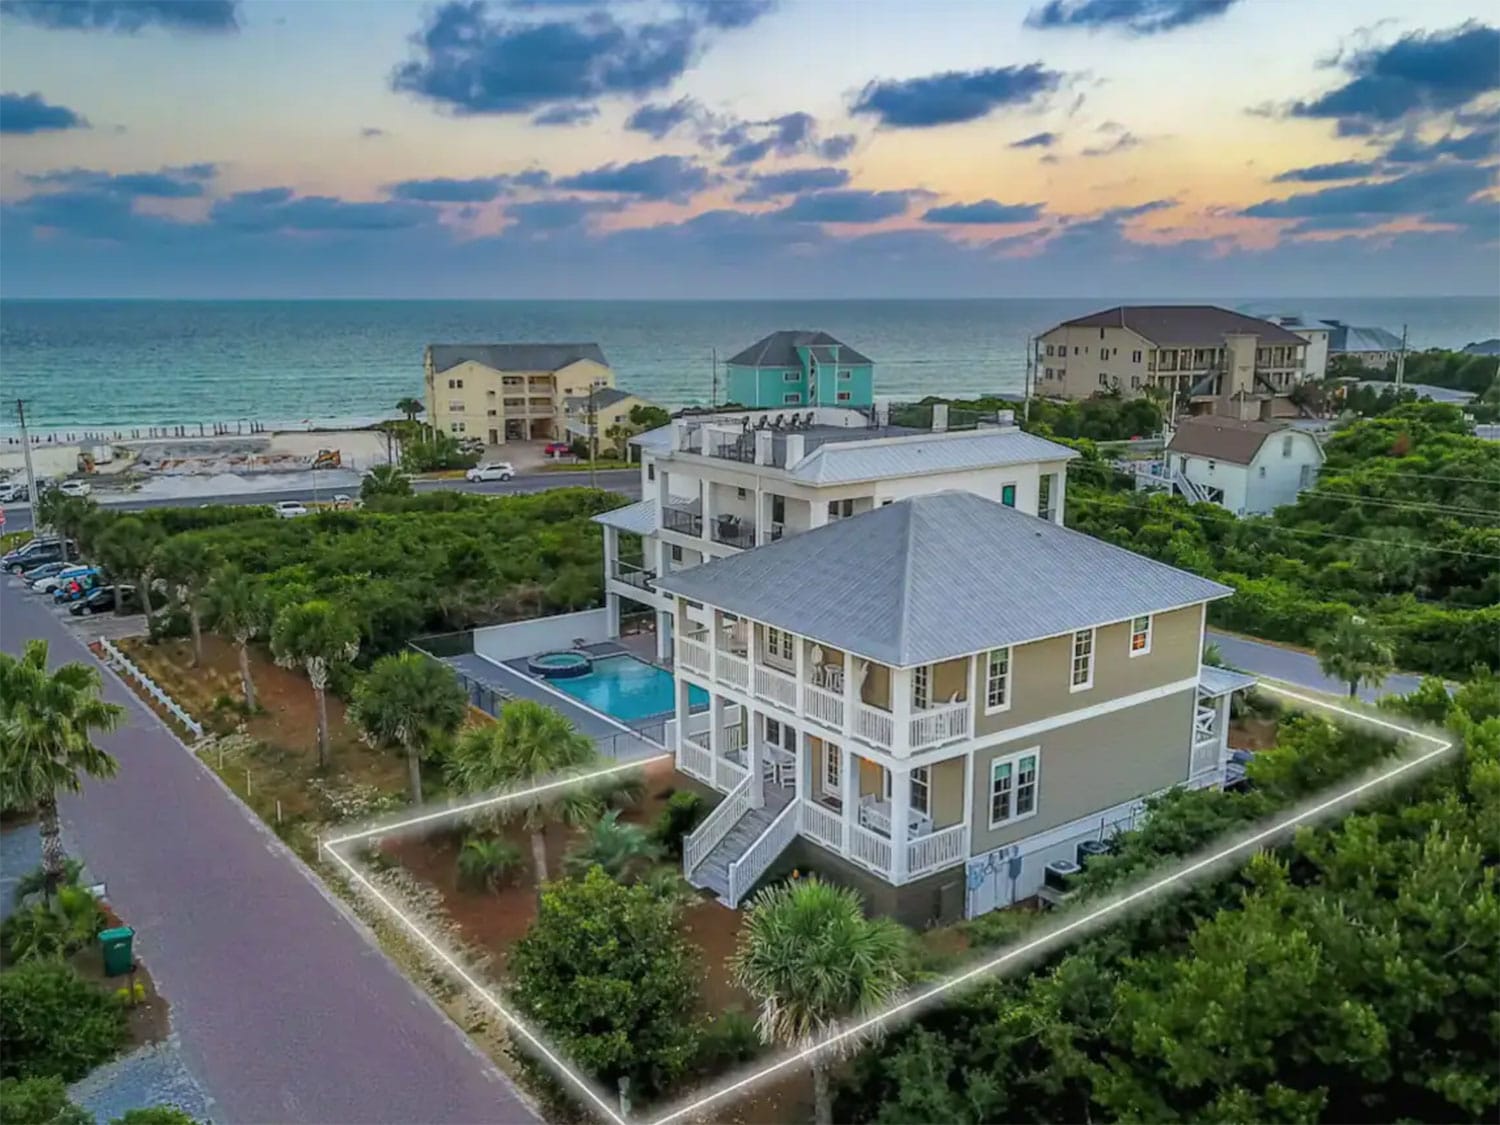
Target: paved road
column 625, row 481
column 287, row 1013
column 1265, row 659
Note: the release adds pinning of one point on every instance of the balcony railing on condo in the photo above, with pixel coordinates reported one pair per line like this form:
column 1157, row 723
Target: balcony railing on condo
column 940, row 724
column 733, row 532
column 940, row 849
column 823, row 825
column 775, row 687
column 874, row 726
column 823, row 706
column 734, row 670
column 693, row 654
column 682, row 521
column 633, row 575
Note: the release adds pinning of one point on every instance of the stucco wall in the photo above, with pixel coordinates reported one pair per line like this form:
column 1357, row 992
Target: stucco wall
column 543, row 634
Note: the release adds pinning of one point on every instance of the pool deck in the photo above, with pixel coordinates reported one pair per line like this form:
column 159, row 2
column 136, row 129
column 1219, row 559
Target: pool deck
column 614, row 739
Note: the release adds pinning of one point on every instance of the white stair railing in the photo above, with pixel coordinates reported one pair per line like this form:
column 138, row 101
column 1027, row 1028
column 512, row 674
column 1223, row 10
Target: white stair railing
column 705, row 838
column 1194, row 494
column 744, row 871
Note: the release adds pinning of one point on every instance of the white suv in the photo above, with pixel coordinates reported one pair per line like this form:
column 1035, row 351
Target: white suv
column 290, row 509
column 494, row 470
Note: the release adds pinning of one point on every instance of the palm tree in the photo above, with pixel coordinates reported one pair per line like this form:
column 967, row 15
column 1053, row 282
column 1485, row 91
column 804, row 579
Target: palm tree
column 527, row 743
column 238, row 610
column 312, row 635
column 622, row 850
column 485, row 862
column 47, row 725
column 384, row 480
column 411, row 407
column 403, row 701
column 1355, row 652
column 128, row 550
column 66, row 515
column 812, row 959
column 186, row 565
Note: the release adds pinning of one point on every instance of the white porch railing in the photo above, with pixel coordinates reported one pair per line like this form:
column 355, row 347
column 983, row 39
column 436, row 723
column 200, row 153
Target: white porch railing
column 940, row 724
column 694, row 759
column 944, row 847
column 734, row 671
column 728, row 775
column 874, row 726
column 706, row 837
column 823, row 706
column 1205, row 755
column 775, row 687
column 823, row 825
column 869, row 849
column 1203, row 721
column 693, row 655
column 744, row 871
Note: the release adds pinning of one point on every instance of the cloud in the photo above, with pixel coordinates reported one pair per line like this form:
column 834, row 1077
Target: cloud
column 126, row 17
column 770, row 185
column 656, row 120
column 556, row 214
column 1482, row 144
column 1421, row 74
column 984, row 211
column 1121, row 143
column 846, row 206
column 279, row 209
column 1317, row 173
column 1134, row 17
column 1417, row 192
column 369, row 132
column 469, row 61
column 566, row 115
column 443, row 190
column 183, row 182
column 661, row 177
column 785, row 136
column 1036, row 140
column 954, row 96
column 837, row 146
column 29, row 113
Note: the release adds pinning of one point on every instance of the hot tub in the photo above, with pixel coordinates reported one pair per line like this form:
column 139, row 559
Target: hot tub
column 560, row 665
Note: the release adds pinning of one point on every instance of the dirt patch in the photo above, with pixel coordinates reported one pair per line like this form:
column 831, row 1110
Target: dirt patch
column 1252, row 734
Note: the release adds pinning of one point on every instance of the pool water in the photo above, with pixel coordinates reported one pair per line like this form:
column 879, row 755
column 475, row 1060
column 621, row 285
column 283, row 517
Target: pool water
column 627, row 688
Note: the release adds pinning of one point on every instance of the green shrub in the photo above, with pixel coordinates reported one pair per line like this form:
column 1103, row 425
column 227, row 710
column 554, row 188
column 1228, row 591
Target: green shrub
column 53, row 1022
column 39, row 1101
column 154, row 1115
column 485, row 862
column 47, row 931
column 683, row 812
column 726, row 1041
column 35, row 879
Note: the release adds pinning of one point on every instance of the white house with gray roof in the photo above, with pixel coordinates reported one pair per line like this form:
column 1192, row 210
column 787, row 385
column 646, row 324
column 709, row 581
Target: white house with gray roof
column 714, row 485
column 934, row 699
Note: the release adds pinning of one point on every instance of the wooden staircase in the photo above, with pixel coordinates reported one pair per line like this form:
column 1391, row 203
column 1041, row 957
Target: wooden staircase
column 713, row 873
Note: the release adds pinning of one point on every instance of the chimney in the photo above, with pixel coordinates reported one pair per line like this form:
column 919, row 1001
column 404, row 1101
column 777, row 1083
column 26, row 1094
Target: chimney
column 764, row 446
column 939, row 417
column 794, row 449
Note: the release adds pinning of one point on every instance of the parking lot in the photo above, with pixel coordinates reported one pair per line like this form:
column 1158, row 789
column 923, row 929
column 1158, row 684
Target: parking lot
column 88, row 627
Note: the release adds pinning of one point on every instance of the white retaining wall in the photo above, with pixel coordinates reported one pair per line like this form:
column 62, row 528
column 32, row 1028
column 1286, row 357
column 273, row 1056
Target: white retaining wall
column 544, row 634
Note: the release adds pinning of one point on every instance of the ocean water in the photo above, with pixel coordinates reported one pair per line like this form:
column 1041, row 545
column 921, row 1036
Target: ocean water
column 81, row 364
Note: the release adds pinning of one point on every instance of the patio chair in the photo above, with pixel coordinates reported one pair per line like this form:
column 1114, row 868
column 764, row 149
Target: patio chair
column 807, row 420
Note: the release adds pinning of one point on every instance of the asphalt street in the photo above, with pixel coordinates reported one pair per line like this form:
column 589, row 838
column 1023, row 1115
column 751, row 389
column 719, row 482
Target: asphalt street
column 1261, row 658
column 627, row 482
column 286, row 1010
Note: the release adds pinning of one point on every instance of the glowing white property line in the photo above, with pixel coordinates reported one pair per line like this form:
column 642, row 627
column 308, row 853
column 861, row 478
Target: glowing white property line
column 1015, row 954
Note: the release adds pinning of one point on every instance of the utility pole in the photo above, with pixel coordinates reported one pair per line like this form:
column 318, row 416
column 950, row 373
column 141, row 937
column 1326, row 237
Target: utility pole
column 1401, row 361
column 713, row 398
column 26, row 452
column 593, row 433
column 1026, row 399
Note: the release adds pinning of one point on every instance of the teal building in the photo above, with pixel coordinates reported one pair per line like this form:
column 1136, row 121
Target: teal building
column 793, row 368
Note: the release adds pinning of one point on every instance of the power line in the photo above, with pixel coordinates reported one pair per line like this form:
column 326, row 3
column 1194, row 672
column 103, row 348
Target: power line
column 1493, row 483
column 1478, row 513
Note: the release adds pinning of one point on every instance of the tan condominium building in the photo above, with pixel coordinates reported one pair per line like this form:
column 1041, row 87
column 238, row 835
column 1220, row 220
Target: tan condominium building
column 1212, row 360
column 512, row 392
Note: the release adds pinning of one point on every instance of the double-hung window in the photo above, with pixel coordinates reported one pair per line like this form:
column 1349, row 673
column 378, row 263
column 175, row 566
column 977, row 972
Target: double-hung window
column 997, row 684
column 832, row 769
column 921, row 688
column 921, row 791
column 1083, row 660
column 1140, row 635
column 1013, row 787
column 778, row 643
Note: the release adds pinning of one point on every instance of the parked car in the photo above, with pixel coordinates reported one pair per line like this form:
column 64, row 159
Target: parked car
column 101, row 599
column 43, row 570
column 35, row 553
column 344, row 503
column 289, row 509
column 64, row 573
column 76, row 587
column 12, row 490
column 557, row 449
column 75, row 488
column 493, row 470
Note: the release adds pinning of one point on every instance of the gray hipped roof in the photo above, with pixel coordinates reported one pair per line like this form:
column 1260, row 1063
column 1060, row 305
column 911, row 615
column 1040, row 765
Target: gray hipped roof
column 1184, row 325
column 779, row 349
column 1352, row 338
column 939, row 576
column 638, row 518
column 514, row 357
column 603, row 397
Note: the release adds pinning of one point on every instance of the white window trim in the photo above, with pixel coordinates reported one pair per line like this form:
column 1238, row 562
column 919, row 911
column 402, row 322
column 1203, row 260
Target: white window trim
column 791, row 376
column 1150, row 629
column 912, row 781
column 832, row 757
column 792, row 398
column 1073, row 655
column 1010, row 655
column 1015, row 492
column 1014, row 761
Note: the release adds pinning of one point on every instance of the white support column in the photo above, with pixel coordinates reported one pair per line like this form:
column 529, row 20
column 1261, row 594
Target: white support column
column 851, row 695
column 969, row 793
column 664, row 633
column 706, row 493
column 1221, row 725
column 799, row 670
column 1059, row 490
column 716, row 735
column 900, row 811
column 901, row 711
column 680, row 707
column 762, row 523
column 715, row 627
column 612, row 614
column 611, row 555
column 755, row 757
column 849, row 783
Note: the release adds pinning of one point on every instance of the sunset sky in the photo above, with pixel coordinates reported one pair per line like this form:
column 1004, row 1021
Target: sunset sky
column 749, row 148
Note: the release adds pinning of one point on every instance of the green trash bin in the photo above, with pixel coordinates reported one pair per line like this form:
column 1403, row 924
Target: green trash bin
column 119, row 954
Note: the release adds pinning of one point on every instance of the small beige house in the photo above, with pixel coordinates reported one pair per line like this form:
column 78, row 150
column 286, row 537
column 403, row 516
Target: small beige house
column 510, row 392
column 936, row 699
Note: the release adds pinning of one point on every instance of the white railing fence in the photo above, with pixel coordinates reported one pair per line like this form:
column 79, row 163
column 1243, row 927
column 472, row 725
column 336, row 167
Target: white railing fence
column 823, row 706
column 729, row 775
column 869, row 849
column 694, row 759
column 874, row 726
column 693, row 655
column 928, row 853
column 122, row 662
column 744, row 871
column 706, row 837
column 941, row 724
column 823, row 825
column 734, row 671
column 776, row 687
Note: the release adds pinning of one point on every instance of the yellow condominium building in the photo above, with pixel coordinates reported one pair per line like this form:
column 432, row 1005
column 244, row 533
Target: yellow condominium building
column 511, row 392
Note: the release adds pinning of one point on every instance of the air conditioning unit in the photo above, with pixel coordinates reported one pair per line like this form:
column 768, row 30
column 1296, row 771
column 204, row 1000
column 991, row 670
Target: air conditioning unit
column 1091, row 848
column 1059, row 872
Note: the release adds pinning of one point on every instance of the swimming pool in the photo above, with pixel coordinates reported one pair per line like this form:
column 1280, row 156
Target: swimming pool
column 627, row 688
